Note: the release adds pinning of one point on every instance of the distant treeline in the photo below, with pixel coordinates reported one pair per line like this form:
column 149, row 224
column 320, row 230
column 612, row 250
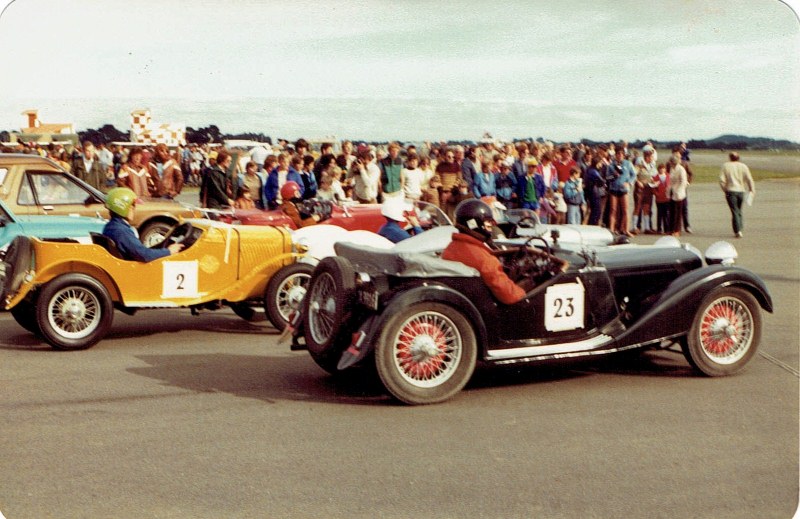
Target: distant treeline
column 212, row 134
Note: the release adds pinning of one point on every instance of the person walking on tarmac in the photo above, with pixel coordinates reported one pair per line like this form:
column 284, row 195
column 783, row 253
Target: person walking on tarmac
column 121, row 202
column 471, row 246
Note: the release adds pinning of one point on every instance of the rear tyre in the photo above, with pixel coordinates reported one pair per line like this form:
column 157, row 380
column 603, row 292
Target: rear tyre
column 73, row 312
column 725, row 333
column 426, row 353
column 285, row 293
column 326, row 309
column 25, row 315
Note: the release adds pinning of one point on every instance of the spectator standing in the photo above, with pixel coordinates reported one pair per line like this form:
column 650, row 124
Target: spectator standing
column 520, row 167
column 135, row 175
column 450, row 174
column 215, row 183
column 254, row 181
column 661, row 183
column 620, row 175
column 595, row 190
column 345, row 159
column 412, row 178
column 309, row 177
column 432, row 183
column 366, row 178
column 737, row 183
column 391, row 167
column 682, row 152
column 88, row 168
column 573, row 196
column 468, row 170
column 276, row 179
column 330, row 189
column 678, row 183
column 168, row 172
column 484, row 184
column 506, row 187
column 564, row 164
column 646, row 169
column 530, row 188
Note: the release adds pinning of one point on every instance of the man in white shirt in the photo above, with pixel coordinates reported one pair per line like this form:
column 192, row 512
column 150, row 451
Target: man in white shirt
column 735, row 179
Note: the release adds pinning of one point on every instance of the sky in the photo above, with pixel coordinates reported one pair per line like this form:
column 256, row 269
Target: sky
column 569, row 69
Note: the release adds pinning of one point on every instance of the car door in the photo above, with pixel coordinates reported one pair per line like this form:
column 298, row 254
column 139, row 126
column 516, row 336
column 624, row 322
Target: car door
column 569, row 307
column 58, row 193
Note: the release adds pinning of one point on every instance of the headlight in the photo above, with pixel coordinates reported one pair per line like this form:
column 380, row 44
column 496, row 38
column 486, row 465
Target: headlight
column 667, row 241
column 721, row 252
column 301, row 246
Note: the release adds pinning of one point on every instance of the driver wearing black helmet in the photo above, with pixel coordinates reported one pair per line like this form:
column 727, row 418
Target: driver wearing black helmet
column 470, row 246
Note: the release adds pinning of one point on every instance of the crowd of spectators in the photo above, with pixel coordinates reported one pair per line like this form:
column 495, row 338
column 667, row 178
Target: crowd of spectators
column 566, row 183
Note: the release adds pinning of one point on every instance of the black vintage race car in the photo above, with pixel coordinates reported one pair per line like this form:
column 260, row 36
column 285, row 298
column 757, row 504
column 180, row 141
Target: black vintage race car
column 425, row 322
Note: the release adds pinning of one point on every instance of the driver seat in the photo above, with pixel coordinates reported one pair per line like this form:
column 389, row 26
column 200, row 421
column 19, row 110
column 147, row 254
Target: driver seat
column 107, row 243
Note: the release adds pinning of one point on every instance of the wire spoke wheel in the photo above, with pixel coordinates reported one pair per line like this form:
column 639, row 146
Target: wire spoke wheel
column 427, row 349
column 426, row 352
column 726, row 330
column 74, row 312
column 322, row 308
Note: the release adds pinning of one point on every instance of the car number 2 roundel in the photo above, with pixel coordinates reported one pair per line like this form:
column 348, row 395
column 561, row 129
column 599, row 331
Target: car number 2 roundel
column 564, row 306
column 180, row 279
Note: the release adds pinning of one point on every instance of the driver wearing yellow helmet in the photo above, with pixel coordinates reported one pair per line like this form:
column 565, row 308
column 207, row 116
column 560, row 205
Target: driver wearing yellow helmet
column 121, row 203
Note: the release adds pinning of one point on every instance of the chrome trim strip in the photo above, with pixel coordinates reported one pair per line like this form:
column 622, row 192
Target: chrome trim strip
column 551, row 349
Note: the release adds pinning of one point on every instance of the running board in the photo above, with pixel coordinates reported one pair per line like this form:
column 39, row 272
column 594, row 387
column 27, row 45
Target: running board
column 570, row 349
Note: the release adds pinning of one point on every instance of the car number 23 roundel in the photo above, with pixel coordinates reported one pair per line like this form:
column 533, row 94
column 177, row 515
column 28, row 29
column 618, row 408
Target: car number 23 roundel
column 564, row 306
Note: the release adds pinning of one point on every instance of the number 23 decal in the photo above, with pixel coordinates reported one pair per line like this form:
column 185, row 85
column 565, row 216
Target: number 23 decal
column 180, row 279
column 563, row 306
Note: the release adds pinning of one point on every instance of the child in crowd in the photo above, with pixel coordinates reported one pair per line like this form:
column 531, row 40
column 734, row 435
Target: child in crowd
column 547, row 207
column 412, row 178
column 330, row 188
column 505, row 186
column 573, row 196
column 244, row 199
column 560, row 206
column 661, row 191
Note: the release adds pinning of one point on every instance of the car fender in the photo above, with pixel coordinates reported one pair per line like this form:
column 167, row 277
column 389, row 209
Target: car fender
column 430, row 292
column 674, row 311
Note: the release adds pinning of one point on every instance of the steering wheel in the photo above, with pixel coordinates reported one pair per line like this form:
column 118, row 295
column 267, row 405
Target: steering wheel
column 528, row 262
column 183, row 233
column 321, row 208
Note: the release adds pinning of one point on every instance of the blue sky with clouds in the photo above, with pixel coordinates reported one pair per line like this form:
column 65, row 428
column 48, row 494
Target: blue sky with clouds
column 736, row 59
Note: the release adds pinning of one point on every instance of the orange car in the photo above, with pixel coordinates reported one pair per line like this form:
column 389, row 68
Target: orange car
column 67, row 292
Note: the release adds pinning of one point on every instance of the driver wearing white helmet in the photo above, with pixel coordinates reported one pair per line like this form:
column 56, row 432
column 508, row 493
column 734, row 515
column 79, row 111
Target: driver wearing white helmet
column 399, row 215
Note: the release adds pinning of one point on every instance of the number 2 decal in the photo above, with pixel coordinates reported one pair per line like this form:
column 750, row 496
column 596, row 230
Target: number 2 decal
column 180, row 279
column 563, row 306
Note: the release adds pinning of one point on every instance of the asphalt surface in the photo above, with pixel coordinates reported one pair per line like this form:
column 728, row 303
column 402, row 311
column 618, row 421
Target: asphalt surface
column 182, row 416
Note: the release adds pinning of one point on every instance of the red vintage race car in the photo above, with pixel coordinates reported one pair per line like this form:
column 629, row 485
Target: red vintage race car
column 365, row 217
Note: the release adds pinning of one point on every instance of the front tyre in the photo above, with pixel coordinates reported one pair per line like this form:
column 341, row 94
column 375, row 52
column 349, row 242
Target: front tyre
column 73, row 312
column 285, row 293
column 426, row 353
column 725, row 332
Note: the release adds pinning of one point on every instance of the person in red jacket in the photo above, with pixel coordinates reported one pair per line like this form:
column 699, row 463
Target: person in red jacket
column 470, row 246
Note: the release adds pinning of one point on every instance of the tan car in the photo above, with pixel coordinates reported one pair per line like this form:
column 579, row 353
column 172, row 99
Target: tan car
column 30, row 184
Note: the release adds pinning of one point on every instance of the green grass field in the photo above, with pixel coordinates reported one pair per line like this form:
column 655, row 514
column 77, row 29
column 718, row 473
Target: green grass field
column 763, row 165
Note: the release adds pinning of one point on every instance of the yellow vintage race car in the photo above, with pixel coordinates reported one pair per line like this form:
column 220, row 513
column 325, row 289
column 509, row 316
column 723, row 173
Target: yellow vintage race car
column 66, row 292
